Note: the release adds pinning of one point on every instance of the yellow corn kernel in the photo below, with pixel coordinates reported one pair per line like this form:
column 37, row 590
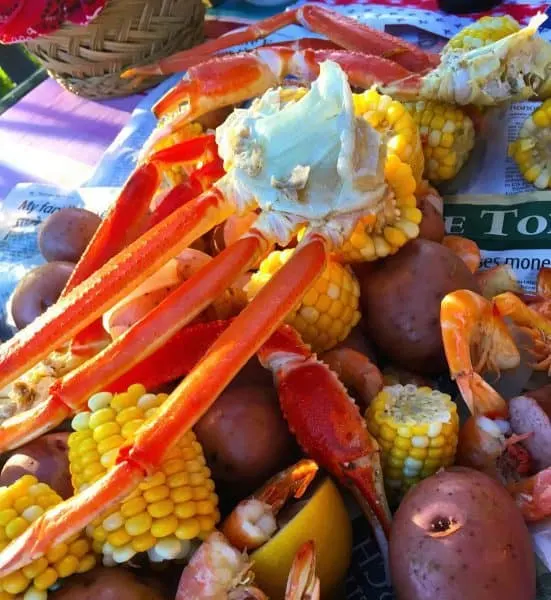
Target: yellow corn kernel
column 390, row 118
column 481, row 33
column 15, row 583
column 447, row 136
column 531, row 150
column 416, row 428
column 336, row 295
column 29, row 499
column 67, row 566
column 149, row 513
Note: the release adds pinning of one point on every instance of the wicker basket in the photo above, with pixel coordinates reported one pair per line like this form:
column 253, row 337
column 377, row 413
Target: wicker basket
column 88, row 60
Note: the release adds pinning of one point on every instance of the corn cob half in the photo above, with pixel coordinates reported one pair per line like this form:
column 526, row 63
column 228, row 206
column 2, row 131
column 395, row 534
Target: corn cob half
column 330, row 308
column 447, row 135
column 169, row 510
column 416, row 428
column 390, row 117
column 20, row 504
column 531, row 150
column 481, row 33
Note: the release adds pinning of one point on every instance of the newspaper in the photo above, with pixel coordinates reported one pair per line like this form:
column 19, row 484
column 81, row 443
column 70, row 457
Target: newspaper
column 491, row 203
column 488, row 202
column 21, row 214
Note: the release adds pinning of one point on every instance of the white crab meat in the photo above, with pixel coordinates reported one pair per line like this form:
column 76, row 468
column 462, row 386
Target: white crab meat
column 308, row 161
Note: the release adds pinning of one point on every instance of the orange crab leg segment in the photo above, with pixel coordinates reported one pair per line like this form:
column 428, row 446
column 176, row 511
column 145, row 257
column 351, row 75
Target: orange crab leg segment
column 138, row 343
column 123, row 224
column 182, row 409
column 355, row 36
column 90, row 299
column 232, row 79
column 343, row 31
column 249, row 330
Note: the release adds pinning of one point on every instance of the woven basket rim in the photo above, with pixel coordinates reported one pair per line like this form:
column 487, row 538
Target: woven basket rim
column 126, row 33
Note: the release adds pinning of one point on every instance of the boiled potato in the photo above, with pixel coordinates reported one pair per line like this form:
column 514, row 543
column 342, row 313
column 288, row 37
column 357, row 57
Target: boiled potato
column 401, row 300
column 46, row 458
column 38, row 290
column 458, row 535
column 65, row 234
column 244, row 435
column 104, row 583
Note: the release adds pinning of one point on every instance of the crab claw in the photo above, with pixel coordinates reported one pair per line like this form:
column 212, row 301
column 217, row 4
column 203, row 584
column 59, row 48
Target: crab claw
column 328, row 424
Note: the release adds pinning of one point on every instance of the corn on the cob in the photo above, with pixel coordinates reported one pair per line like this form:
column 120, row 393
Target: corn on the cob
column 170, row 509
column 390, row 117
column 531, row 150
column 20, row 504
column 447, row 135
column 417, row 430
column 383, row 234
column 483, row 32
column 329, row 309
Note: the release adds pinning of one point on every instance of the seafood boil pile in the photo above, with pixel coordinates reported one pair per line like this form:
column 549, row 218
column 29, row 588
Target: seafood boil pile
column 270, row 324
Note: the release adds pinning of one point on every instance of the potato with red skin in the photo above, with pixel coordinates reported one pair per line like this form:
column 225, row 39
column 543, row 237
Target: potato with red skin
column 103, row 583
column 244, row 435
column 401, row 300
column 46, row 458
column 458, row 535
column 38, row 290
column 65, row 234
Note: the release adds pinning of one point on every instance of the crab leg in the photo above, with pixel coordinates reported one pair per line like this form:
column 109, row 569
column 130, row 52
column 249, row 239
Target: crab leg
column 133, row 347
column 232, row 79
column 327, row 424
column 344, row 31
column 109, row 284
column 129, row 217
column 182, row 409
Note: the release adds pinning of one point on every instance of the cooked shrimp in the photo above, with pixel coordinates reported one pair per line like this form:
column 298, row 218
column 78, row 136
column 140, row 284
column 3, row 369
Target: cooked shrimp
column 475, row 339
column 303, row 584
column 467, row 250
column 533, row 321
column 533, row 495
column 253, row 521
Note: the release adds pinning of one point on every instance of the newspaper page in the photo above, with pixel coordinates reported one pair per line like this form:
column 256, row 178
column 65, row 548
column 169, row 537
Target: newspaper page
column 21, row 214
column 490, row 202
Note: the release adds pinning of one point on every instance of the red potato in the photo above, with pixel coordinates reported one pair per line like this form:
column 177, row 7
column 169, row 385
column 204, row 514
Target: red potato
column 531, row 413
column 103, row 583
column 459, row 536
column 401, row 300
column 244, row 435
column 38, row 290
column 46, row 458
column 65, row 234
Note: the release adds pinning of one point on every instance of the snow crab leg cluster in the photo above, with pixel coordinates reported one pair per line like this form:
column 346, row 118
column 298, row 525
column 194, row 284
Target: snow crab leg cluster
column 343, row 185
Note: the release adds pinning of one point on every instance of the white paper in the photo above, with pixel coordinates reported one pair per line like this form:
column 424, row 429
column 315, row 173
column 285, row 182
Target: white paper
column 21, row 214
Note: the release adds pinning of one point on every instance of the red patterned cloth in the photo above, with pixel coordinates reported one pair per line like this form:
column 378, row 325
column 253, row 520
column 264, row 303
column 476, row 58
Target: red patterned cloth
column 521, row 10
